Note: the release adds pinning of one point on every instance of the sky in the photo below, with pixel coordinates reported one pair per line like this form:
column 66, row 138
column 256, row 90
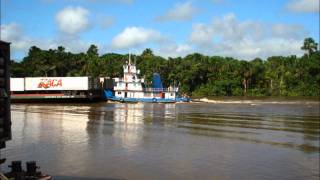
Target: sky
column 243, row 29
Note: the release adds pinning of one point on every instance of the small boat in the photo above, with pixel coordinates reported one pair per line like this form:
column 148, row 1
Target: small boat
column 131, row 88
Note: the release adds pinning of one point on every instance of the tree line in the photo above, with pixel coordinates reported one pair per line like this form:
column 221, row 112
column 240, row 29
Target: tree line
column 195, row 74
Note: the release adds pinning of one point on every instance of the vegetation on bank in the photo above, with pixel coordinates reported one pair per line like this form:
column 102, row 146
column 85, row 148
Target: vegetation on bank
column 195, row 74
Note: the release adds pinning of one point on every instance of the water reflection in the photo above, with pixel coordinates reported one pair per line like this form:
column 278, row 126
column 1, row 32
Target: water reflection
column 128, row 127
column 127, row 122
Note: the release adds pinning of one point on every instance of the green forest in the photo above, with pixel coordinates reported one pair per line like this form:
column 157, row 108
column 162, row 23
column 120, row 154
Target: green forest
column 195, row 74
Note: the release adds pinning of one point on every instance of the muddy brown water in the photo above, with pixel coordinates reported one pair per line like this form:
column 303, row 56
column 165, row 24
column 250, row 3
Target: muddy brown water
column 168, row 141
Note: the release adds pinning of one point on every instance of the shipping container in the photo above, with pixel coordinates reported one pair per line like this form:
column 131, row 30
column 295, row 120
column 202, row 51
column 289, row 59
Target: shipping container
column 57, row 83
column 16, row 84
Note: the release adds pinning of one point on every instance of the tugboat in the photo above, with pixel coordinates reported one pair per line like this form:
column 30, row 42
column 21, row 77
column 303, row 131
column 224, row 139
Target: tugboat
column 130, row 88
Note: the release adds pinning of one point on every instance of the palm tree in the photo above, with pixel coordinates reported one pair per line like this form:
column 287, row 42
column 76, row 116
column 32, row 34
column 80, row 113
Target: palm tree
column 310, row 46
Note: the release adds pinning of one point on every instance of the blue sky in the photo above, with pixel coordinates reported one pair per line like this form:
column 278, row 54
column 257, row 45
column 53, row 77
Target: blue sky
column 238, row 28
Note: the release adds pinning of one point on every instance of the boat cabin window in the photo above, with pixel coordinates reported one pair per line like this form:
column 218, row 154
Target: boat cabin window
column 119, row 92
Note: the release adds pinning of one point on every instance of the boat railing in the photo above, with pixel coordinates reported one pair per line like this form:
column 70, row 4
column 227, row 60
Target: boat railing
column 170, row 89
column 126, row 81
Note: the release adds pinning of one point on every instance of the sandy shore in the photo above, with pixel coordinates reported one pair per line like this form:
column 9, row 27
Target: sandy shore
column 255, row 101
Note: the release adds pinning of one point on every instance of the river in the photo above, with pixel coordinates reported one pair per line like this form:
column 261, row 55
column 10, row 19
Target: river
column 168, row 141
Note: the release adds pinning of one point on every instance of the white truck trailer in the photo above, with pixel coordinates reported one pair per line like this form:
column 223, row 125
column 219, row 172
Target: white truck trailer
column 55, row 88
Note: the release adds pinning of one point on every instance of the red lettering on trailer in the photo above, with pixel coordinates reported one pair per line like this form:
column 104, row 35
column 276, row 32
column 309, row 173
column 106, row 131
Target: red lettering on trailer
column 50, row 83
column 59, row 83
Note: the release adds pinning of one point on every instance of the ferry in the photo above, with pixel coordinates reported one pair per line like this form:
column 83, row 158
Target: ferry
column 131, row 88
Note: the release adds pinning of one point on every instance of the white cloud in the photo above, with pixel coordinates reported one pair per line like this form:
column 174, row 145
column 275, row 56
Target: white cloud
column 20, row 42
column 13, row 33
column 287, row 30
column 280, row 46
column 201, row 34
column 136, row 39
column 132, row 37
column 72, row 43
column 226, row 36
column 172, row 49
column 249, row 49
column 180, row 12
column 73, row 20
column 229, row 28
column 303, row 6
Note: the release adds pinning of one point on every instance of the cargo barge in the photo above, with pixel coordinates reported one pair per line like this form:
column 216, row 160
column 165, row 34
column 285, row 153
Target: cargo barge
column 55, row 88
